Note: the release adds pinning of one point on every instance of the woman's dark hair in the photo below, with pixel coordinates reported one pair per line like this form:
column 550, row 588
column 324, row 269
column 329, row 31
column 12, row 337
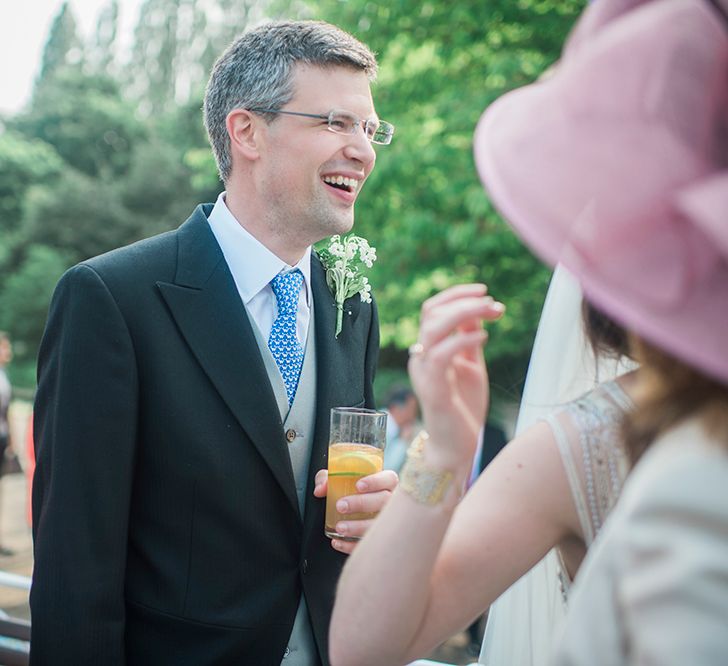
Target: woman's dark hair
column 607, row 338
column 671, row 392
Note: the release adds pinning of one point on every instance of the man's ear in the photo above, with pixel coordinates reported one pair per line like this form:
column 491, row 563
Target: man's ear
column 244, row 128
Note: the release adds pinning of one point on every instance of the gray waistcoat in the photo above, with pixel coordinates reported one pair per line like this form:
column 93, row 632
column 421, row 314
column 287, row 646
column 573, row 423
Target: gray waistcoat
column 301, row 650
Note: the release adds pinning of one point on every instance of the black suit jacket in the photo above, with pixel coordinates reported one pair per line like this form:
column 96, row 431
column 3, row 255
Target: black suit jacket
column 166, row 524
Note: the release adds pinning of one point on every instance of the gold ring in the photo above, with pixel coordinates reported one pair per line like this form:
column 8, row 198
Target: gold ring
column 417, row 349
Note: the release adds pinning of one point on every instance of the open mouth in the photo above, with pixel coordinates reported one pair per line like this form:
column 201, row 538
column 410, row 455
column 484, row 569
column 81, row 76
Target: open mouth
column 342, row 183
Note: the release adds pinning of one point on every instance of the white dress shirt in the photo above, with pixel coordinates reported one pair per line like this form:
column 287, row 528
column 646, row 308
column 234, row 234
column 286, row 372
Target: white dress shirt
column 253, row 266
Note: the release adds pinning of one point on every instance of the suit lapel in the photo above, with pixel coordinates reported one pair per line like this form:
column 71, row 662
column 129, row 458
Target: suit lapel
column 333, row 356
column 206, row 306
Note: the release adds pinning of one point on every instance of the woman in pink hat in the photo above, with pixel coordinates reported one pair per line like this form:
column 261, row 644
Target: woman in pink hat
column 616, row 166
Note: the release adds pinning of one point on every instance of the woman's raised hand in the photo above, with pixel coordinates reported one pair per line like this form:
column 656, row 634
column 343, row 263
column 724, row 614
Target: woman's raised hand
column 447, row 367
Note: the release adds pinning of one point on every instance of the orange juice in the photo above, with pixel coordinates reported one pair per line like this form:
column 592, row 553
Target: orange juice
column 347, row 464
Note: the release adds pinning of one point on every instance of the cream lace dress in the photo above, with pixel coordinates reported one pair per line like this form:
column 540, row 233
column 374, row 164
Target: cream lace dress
column 596, row 464
column 523, row 621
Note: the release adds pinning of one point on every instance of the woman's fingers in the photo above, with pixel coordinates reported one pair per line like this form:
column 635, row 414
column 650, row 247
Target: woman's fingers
column 465, row 313
column 441, row 355
column 451, row 293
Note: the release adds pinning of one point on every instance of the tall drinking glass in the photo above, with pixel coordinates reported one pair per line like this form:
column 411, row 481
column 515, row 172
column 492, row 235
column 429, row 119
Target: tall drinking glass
column 356, row 449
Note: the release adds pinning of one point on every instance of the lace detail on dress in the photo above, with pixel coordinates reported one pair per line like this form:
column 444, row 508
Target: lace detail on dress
column 588, row 437
column 587, row 432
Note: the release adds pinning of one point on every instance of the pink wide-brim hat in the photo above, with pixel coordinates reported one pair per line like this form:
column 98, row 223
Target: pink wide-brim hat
column 617, row 166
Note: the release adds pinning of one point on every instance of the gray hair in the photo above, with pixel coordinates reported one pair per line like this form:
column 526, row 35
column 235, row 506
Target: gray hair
column 257, row 71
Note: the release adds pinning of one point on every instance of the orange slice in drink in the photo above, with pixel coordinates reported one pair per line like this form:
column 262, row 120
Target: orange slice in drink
column 354, row 463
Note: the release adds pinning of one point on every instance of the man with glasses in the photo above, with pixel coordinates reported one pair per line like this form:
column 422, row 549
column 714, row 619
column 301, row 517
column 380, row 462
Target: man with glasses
column 185, row 385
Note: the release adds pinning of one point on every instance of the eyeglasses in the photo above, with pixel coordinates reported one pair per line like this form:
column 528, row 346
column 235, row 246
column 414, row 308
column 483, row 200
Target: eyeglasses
column 343, row 122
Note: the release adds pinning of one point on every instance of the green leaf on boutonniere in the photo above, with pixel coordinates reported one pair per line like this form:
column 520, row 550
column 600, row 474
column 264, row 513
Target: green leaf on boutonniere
column 345, row 260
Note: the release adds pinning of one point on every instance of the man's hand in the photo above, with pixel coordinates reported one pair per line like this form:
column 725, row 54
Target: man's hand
column 374, row 492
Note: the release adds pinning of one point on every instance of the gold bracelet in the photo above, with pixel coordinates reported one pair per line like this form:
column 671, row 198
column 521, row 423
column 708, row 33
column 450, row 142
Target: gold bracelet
column 422, row 483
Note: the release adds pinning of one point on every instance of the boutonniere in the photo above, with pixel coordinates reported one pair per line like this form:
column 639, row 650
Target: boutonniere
column 345, row 260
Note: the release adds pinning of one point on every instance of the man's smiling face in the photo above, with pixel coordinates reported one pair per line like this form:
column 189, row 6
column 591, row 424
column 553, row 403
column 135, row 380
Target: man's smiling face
column 310, row 176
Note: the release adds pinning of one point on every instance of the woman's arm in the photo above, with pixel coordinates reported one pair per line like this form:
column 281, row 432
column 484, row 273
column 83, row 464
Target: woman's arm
column 424, row 571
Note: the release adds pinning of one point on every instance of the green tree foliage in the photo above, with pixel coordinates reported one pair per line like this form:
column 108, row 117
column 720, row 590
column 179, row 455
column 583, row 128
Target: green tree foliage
column 25, row 296
column 156, row 52
column 101, row 52
column 441, row 65
column 86, row 119
column 113, row 150
column 80, row 174
column 79, row 215
column 181, row 128
column 176, row 43
column 63, row 46
column 157, row 189
column 23, row 162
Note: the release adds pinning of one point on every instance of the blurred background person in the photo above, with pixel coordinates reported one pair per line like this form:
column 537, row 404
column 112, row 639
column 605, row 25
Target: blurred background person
column 491, row 441
column 402, row 425
column 6, row 447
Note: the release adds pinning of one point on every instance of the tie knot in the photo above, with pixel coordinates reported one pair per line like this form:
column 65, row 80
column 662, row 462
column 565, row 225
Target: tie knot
column 286, row 287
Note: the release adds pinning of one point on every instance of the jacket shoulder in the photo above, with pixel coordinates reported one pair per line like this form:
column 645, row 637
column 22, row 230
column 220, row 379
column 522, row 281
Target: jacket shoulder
column 139, row 255
column 155, row 256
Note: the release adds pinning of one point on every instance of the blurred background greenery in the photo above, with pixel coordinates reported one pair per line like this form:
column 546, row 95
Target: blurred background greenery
column 109, row 150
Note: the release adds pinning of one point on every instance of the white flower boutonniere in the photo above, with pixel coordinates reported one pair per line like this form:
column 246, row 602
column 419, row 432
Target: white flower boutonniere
column 345, row 260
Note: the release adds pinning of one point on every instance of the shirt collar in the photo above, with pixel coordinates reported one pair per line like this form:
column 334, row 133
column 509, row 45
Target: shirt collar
column 252, row 264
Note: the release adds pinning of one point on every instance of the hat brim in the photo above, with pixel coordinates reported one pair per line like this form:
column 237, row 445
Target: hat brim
column 587, row 182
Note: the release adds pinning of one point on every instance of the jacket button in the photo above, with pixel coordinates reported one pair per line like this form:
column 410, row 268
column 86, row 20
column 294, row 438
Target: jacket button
column 290, row 435
column 304, row 566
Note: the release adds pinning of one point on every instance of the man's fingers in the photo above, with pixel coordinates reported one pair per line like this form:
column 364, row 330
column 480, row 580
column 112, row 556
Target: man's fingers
column 353, row 528
column 385, row 480
column 321, row 483
column 376, row 490
column 342, row 546
column 371, row 502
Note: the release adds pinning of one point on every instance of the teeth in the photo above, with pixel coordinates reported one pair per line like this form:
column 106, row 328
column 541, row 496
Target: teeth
column 351, row 183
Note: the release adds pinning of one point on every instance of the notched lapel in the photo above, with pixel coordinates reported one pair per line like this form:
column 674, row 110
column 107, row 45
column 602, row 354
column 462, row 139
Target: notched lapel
column 335, row 357
column 206, row 306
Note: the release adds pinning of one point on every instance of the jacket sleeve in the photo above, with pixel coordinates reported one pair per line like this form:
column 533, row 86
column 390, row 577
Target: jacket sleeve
column 84, row 423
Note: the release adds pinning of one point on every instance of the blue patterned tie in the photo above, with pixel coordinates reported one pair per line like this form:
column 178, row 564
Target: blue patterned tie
column 283, row 342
